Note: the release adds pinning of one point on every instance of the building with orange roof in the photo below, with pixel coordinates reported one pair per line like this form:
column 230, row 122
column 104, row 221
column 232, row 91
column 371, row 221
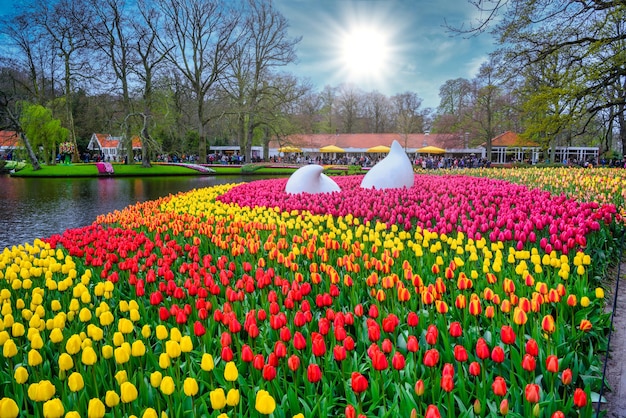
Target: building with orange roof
column 511, row 147
column 111, row 147
column 9, row 142
column 454, row 144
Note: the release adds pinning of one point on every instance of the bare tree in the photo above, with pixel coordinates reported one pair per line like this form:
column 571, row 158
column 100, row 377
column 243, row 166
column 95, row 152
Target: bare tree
column 64, row 22
column 349, row 104
column 409, row 118
column 202, row 32
column 377, row 109
column 264, row 46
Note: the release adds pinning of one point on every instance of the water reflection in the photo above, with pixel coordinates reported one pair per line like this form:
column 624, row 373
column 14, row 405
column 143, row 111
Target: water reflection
column 36, row 208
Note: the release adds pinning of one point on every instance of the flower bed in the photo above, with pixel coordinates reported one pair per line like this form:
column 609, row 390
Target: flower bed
column 459, row 297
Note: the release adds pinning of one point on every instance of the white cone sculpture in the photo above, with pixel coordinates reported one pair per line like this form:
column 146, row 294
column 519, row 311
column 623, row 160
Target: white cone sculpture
column 310, row 179
column 395, row 171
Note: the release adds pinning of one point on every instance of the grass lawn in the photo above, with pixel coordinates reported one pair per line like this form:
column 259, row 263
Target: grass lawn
column 90, row 170
column 157, row 169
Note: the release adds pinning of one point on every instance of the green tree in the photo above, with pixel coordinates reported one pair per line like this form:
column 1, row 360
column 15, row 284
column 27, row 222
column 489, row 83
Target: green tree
column 43, row 131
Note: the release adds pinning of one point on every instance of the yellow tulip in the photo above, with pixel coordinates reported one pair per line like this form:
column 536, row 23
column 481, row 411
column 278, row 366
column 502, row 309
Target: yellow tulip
column 186, row 345
column 72, row 414
column 129, row 392
column 125, row 326
column 65, row 362
column 164, row 361
column 150, row 413
column 41, row 391
column 8, row 408
column 36, row 342
column 167, row 385
column 106, row 318
column 264, row 402
column 96, row 408
column 218, row 398
column 172, row 348
column 73, row 344
column 146, row 331
column 56, row 335
column 599, row 293
column 121, row 377
column 9, row 349
column 75, row 382
column 161, row 332
column 84, row 315
column 34, row 358
column 176, row 335
column 190, row 386
column 230, row 372
column 155, row 379
column 89, row 356
column 207, row 362
column 107, row 351
column 584, row 301
column 118, row 339
column 17, row 330
column 21, row 375
column 53, row 409
column 111, row 398
column 232, row 397
column 121, row 355
column 138, row 349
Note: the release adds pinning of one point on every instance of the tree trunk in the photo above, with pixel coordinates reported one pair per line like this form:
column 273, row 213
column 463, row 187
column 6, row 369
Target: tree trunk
column 31, row 154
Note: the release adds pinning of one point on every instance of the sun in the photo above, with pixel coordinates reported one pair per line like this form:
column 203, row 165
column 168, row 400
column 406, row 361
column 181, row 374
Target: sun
column 364, row 52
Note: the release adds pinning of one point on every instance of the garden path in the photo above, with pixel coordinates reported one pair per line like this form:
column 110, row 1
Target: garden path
column 616, row 365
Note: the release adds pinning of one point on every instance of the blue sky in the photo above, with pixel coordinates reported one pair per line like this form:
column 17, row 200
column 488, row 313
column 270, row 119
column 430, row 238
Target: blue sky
column 407, row 46
column 419, row 53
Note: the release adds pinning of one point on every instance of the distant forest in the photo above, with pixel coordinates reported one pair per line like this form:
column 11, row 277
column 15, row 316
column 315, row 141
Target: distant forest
column 184, row 75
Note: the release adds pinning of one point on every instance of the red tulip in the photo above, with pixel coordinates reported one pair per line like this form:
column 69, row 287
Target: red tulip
column 373, row 311
column 460, row 353
column 412, row 345
column 419, row 387
column 580, row 398
column 258, row 362
column 432, row 412
column 497, row 354
column 557, row 414
column 299, row 342
column 358, row 310
column 246, row 354
column 474, row 368
column 390, row 322
column 431, row 334
column 373, row 333
column 314, row 373
column 528, row 363
column 285, row 334
column 280, row 349
column 359, row 382
column 339, row 353
column 504, row 407
column 269, row 372
column 507, row 335
column 227, row 353
column 350, row 412
column 499, row 386
column 379, row 360
column 225, row 339
column 431, row 357
column 398, row 362
column 482, row 349
column 566, row 376
column 318, row 345
column 455, row 329
column 293, row 362
column 198, row 329
column 532, row 392
column 387, row 346
column 348, row 343
column 447, row 383
column 552, row 364
column 532, row 347
column 412, row 319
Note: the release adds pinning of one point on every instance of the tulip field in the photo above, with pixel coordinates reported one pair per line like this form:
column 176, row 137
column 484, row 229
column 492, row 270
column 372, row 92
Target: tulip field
column 475, row 293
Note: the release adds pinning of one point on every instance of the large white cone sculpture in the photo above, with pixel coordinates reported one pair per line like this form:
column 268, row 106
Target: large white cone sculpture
column 395, row 171
column 310, row 179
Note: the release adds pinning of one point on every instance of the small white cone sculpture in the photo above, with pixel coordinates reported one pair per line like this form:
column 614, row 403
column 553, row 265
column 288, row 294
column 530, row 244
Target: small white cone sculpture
column 395, row 171
column 310, row 179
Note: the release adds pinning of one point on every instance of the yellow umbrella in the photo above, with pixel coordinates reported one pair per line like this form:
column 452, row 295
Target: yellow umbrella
column 431, row 150
column 289, row 148
column 378, row 148
column 332, row 148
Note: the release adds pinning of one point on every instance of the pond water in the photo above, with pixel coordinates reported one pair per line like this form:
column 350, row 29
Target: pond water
column 40, row 207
